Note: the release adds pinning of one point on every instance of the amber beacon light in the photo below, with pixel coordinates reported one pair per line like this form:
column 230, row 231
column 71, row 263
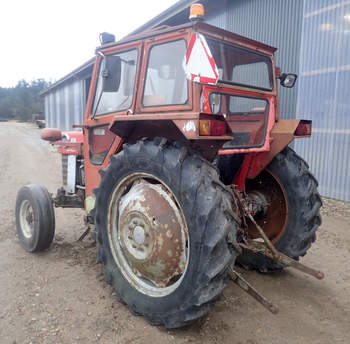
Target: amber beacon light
column 196, row 12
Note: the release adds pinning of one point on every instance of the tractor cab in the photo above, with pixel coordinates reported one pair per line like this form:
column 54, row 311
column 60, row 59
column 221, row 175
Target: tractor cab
column 195, row 83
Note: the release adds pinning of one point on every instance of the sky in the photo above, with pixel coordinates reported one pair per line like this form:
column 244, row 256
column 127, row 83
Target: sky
column 49, row 38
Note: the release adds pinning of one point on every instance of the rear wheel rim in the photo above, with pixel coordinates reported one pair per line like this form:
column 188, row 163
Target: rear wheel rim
column 152, row 254
column 26, row 217
column 274, row 221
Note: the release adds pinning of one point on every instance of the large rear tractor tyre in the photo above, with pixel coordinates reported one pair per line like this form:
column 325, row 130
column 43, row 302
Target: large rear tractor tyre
column 35, row 218
column 293, row 214
column 165, row 227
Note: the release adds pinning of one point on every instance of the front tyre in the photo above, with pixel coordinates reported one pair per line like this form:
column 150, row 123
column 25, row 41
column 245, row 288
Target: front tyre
column 293, row 214
column 35, row 218
column 163, row 223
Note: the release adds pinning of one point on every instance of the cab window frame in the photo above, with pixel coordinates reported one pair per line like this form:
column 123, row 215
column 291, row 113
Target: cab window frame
column 266, row 113
column 149, row 52
column 147, row 47
column 93, row 110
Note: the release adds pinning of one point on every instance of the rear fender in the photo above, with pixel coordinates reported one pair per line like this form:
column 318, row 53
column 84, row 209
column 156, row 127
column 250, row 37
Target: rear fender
column 186, row 124
column 282, row 134
column 183, row 127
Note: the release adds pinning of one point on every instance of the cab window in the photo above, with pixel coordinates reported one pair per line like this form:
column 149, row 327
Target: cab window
column 242, row 66
column 166, row 82
column 114, row 101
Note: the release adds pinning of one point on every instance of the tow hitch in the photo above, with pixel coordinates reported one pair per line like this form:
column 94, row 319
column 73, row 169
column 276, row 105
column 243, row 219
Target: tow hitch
column 265, row 247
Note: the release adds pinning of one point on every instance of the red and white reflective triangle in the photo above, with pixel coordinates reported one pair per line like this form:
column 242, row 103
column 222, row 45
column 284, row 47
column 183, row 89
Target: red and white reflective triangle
column 199, row 64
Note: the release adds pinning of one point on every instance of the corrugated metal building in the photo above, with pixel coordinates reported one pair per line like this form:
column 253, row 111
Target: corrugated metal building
column 65, row 100
column 313, row 40
column 324, row 94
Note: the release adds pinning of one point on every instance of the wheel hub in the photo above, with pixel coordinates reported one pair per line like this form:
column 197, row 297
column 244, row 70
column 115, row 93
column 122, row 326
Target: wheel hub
column 257, row 203
column 139, row 235
column 135, row 233
column 27, row 219
column 152, row 234
column 268, row 205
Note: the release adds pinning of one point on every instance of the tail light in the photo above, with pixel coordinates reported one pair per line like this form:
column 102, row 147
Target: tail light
column 303, row 128
column 212, row 127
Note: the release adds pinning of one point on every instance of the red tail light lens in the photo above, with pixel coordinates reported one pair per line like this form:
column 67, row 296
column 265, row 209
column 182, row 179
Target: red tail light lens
column 212, row 127
column 303, row 128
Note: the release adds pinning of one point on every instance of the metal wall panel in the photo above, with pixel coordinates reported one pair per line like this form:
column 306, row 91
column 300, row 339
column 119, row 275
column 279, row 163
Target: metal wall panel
column 78, row 91
column 65, row 105
column 324, row 94
column 47, row 109
column 274, row 22
column 218, row 17
column 52, row 110
column 60, row 108
column 67, row 109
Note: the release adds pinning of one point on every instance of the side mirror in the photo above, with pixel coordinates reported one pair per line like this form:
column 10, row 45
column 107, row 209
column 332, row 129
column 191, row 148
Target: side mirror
column 111, row 73
column 288, row 80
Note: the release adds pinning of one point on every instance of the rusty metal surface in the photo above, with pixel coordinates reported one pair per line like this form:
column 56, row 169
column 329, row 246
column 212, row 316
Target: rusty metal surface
column 148, row 234
column 281, row 135
column 264, row 236
column 64, row 200
column 151, row 234
column 268, row 122
column 186, row 122
column 248, row 288
column 158, row 117
column 273, row 219
column 262, row 248
column 266, row 247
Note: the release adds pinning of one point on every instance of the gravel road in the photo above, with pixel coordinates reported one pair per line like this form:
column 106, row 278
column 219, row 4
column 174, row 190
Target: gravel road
column 59, row 296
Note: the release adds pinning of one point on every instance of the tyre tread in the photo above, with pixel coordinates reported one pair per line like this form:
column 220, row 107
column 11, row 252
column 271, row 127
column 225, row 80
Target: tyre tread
column 308, row 198
column 216, row 254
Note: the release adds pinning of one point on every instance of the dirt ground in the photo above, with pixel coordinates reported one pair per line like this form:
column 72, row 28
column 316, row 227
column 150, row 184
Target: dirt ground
column 59, row 296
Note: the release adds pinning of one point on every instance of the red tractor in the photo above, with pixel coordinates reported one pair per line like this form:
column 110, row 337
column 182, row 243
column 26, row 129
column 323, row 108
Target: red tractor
column 183, row 167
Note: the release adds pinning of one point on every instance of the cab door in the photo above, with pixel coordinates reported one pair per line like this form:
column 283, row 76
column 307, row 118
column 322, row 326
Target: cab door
column 112, row 93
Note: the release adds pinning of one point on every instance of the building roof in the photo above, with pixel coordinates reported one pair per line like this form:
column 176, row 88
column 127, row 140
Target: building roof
column 169, row 13
column 197, row 26
column 84, row 69
column 158, row 20
column 174, row 15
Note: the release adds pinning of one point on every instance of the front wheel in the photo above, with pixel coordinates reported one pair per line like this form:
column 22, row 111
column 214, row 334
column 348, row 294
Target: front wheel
column 292, row 215
column 35, row 218
column 164, row 222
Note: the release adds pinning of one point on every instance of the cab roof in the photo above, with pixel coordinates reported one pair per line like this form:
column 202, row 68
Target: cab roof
column 201, row 27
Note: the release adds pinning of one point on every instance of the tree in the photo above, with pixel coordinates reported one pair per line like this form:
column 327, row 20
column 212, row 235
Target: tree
column 23, row 100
